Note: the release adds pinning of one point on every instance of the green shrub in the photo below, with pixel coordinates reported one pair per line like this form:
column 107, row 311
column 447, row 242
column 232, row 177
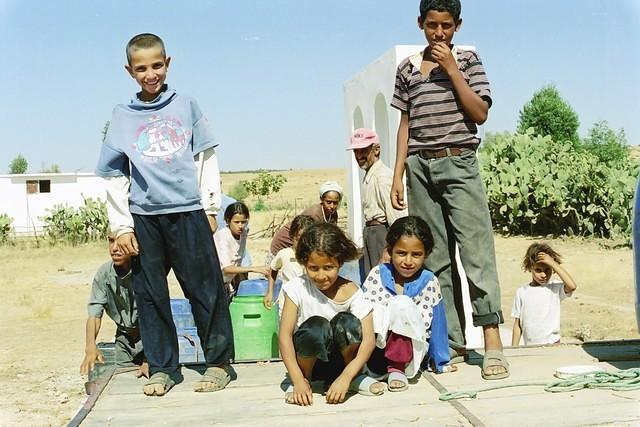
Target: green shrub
column 76, row 226
column 265, row 184
column 538, row 186
column 259, row 206
column 606, row 145
column 550, row 115
column 5, row 228
column 238, row 192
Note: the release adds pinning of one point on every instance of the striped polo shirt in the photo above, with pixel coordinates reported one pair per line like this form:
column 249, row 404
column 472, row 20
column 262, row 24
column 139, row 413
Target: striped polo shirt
column 436, row 118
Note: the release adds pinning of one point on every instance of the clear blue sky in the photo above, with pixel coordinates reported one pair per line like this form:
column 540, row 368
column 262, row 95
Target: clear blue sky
column 269, row 74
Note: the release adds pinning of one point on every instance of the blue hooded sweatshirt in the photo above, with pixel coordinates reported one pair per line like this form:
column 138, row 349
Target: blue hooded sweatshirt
column 159, row 139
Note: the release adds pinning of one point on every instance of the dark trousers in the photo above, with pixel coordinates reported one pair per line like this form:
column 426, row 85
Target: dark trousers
column 182, row 241
column 449, row 195
column 373, row 237
column 323, row 339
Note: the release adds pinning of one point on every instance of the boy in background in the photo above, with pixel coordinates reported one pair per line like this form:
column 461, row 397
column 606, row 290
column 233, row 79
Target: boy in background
column 112, row 292
column 442, row 94
column 536, row 306
column 163, row 182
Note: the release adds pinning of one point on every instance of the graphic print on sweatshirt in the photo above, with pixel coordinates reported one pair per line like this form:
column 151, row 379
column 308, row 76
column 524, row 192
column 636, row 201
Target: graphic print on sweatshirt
column 161, row 139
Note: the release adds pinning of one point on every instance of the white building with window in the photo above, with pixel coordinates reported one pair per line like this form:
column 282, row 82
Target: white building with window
column 26, row 197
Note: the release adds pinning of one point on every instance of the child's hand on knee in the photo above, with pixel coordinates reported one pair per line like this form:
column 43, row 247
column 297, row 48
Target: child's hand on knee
column 338, row 390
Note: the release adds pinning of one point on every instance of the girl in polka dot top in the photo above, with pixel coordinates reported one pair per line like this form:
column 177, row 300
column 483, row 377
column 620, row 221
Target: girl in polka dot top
column 409, row 317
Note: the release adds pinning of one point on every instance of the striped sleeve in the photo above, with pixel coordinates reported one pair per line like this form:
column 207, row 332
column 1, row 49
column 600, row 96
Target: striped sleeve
column 478, row 80
column 401, row 91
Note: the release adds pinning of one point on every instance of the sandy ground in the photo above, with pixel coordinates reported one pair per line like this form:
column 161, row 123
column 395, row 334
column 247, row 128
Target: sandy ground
column 45, row 291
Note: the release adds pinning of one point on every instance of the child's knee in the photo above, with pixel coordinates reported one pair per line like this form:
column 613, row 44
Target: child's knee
column 347, row 330
column 313, row 338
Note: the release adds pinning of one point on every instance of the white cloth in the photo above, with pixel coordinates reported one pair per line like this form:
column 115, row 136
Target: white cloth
column 402, row 316
column 230, row 250
column 538, row 308
column 311, row 302
column 286, row 264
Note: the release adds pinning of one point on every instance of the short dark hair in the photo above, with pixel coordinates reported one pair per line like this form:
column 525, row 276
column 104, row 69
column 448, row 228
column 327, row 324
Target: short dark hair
column 327, row 239
column 452, row 6
column 144, row 41
column 236, row 208
column 410, row 226
column 532, row 252
column 300, row 223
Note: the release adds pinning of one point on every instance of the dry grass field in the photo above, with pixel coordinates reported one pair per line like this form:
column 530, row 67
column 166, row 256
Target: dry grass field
column 45, row 290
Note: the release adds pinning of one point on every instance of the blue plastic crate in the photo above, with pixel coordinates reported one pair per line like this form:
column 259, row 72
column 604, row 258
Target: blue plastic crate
column 180, row 306
column 257, row 287
column 189, row 347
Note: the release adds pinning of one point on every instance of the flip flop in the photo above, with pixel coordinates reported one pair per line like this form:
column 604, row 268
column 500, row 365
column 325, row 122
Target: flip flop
column 400, row 377
column 362, row 385
column 162, row 379
column 217, row 377
column 491, row 359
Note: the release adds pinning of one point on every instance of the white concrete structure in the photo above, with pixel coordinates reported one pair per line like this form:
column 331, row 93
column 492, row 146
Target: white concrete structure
column 367, row 104
column 26, row 197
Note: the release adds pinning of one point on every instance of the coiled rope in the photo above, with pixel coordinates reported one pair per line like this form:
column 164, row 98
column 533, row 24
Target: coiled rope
column 622, row 380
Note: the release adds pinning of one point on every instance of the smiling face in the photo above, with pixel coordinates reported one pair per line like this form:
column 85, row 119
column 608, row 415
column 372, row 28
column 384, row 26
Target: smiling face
column 367, row 156
column 541, row 273
column 322, row 270
column 117, row 256
column 407, row 256
column 330, row 202
column 237, row 224
column 438, row 27
column 149, row 67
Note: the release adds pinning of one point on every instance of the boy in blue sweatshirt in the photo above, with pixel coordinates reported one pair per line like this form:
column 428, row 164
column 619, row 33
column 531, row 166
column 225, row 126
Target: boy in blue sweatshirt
column 163, row 191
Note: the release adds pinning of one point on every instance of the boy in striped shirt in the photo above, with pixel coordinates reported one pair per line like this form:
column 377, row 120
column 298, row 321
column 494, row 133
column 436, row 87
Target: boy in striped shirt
column 443, row 94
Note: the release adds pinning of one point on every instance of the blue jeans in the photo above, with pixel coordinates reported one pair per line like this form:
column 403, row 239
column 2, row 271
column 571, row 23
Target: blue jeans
column 182, row 241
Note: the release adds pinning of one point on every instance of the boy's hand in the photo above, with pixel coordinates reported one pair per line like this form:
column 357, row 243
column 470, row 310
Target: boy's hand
column 441, row 53
column 128, row 244
column 338, row 390
column 546, row 259
column 267, row 301
column 91, row 356
column 397, row 196
column 302, row 393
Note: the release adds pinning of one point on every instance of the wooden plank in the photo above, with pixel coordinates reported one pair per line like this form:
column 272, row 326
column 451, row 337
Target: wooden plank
column 256, row 398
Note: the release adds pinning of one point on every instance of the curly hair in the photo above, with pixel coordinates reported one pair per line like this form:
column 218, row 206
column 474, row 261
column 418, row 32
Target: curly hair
column 327, row 239
column 300, row 223
column 533, row 251
column 452, row 6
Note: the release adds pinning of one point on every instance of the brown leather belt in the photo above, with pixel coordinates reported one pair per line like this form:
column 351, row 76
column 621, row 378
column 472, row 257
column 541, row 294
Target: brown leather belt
column 374, row 222
column 445, row 152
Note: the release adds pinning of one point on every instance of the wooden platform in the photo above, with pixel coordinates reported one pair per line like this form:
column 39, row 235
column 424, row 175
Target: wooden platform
column 256, row 397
